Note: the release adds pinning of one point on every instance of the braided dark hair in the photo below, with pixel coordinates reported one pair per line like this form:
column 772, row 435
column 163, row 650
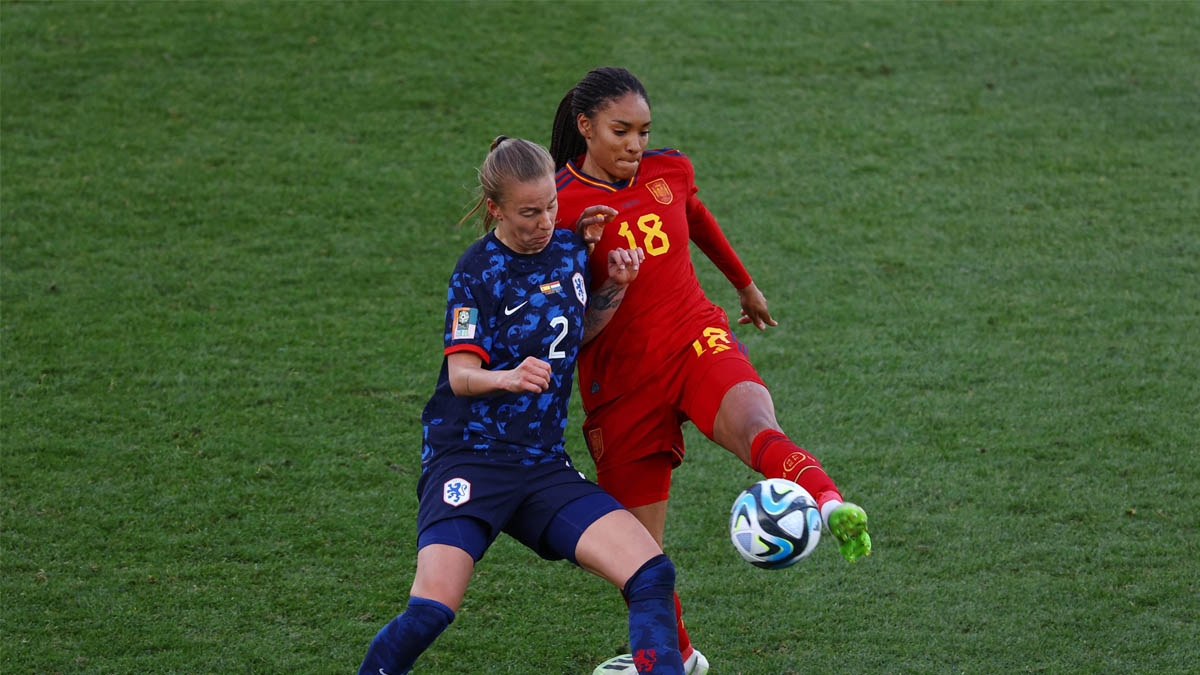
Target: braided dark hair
column 596, row 89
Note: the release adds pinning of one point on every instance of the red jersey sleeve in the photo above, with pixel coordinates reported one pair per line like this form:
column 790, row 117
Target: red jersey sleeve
column 704, row 230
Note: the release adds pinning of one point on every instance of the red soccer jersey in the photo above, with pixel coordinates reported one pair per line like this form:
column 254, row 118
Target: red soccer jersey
column 664, row 308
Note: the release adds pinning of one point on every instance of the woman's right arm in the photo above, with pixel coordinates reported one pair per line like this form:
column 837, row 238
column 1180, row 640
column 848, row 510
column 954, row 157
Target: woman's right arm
column 468, row 377
column 590, row 225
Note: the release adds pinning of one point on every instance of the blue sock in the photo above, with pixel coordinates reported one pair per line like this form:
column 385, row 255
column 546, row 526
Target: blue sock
column 397, row 645
column 653, row 637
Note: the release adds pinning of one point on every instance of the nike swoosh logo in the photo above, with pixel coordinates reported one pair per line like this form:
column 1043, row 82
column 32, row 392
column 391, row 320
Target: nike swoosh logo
column 509, row 312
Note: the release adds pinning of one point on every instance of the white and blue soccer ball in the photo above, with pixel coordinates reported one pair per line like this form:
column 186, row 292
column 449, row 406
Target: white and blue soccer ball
column 775, row 523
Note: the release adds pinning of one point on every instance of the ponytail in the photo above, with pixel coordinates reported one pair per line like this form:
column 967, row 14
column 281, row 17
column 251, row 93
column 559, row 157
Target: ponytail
column 566, row 143
column 509, row 160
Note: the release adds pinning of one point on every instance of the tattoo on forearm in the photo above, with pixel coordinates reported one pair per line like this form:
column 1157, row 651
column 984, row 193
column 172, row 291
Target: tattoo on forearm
column 608, row 297
column 603, row 302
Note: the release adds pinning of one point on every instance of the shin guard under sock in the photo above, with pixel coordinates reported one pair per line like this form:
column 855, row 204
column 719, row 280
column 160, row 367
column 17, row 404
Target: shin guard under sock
column 398, row 644
column 653, row 637
column 774, row 455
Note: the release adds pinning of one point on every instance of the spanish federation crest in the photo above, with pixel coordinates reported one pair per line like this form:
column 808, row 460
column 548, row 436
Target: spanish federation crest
column 595, row 443
column 580, row 288
column 660, row 191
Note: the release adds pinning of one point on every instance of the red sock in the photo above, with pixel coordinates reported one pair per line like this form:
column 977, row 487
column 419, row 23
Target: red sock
column 685, row 642
column 774, row 455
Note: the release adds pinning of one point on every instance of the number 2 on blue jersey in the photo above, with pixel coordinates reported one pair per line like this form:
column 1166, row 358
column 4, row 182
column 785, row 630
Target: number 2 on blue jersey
column 563, row 326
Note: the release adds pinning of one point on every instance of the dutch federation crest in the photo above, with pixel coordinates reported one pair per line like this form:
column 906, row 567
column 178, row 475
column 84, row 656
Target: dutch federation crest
column 660, row 191
column 456, row 491
column 580, row 288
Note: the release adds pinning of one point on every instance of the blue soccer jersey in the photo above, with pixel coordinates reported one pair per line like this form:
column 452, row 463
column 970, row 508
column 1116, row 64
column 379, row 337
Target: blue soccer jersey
column 505, row 306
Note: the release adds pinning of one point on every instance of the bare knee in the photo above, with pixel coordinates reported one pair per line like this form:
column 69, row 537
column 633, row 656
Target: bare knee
column 746, row 410
column 443, row 573
column 615, row 546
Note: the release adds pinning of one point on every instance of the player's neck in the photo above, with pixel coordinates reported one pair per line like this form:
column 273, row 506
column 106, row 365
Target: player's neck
column 591, row 168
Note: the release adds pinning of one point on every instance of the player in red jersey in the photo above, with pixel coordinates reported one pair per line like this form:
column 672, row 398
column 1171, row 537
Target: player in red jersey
column 689, row 364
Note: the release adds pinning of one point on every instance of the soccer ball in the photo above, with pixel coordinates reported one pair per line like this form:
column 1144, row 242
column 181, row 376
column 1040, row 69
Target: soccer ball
column 775, row 523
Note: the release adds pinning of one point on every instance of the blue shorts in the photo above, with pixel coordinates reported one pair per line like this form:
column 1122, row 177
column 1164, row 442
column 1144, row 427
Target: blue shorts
column 467, row 500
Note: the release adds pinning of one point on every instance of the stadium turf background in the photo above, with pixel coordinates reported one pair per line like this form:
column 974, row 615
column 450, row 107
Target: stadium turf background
column 226, row 231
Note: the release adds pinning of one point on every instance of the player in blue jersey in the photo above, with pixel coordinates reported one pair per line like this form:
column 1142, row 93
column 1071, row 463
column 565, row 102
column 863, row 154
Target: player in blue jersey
column 493, row 459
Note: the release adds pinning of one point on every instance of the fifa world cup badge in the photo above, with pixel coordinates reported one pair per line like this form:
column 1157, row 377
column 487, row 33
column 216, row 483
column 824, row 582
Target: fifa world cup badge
column 464, row 322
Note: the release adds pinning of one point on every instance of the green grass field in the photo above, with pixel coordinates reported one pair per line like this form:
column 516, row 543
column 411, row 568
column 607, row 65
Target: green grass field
column 226, row 231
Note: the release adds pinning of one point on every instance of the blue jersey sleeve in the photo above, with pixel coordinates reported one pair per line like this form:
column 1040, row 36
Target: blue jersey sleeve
column 469, row 315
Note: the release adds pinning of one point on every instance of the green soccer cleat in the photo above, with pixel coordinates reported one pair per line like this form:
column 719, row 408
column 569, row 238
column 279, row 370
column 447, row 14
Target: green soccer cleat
column 848, row 525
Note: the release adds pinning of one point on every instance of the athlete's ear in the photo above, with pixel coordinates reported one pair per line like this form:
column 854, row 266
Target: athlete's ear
column 584, row 125
column 494, row 209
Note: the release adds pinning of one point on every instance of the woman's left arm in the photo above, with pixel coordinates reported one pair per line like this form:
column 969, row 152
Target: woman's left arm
column 704, row 230
column 754, row 308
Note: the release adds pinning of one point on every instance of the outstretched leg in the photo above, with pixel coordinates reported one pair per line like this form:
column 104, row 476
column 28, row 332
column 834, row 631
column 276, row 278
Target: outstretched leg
column 745, row 425
column 654, row 518
column 616, row 548
column 437, row 591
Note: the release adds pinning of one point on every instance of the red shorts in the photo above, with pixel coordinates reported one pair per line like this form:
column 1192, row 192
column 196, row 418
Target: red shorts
column 636, row 439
